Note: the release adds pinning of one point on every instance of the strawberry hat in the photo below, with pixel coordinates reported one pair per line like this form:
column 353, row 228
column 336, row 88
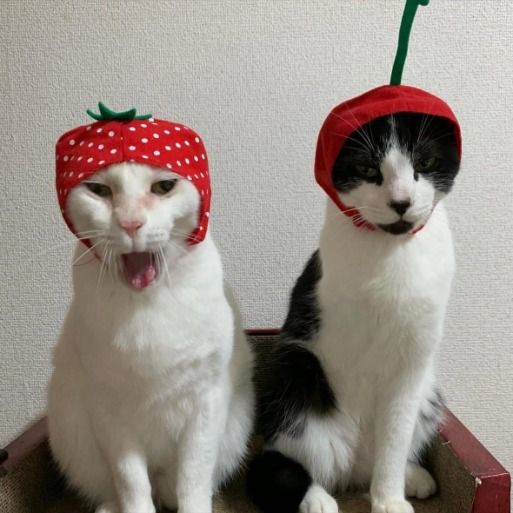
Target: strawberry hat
column 385, row 100
column 118, row 137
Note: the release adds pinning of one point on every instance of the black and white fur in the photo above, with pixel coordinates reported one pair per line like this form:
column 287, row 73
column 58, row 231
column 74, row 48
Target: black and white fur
column 349, row 398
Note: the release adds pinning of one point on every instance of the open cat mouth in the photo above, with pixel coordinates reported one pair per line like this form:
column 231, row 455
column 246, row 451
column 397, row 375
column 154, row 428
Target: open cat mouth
column 397, row 228
column 139, row 269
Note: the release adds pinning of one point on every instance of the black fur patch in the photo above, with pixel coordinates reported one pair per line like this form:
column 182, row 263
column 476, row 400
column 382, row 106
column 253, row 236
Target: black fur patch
column 295, row 387
column 432, row 415
column 303, row 318
column 292, row 382
column 277, row 484
column 430, row 420
column 421, row 136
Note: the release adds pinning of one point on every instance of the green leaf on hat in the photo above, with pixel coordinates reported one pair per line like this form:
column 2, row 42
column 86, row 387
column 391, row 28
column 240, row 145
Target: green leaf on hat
column 107, row 114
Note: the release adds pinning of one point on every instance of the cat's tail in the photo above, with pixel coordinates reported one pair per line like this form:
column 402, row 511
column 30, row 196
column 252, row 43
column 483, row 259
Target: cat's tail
column 276, row 483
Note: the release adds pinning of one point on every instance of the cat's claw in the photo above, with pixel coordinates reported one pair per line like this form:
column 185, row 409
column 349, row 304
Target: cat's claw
column 318, row 500
column 419, row 482
column 392, row 505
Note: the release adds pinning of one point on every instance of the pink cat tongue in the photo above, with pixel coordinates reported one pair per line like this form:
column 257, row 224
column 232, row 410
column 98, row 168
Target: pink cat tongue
column 139, row 269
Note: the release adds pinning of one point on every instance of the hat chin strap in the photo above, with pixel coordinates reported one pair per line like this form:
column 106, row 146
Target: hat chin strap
column 354, row 214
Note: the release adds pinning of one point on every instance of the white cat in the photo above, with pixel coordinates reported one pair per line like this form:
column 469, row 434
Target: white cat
column 151, row 395
column 349, row 397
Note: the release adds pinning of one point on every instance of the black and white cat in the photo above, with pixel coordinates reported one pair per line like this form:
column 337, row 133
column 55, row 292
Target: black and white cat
column 350, row 397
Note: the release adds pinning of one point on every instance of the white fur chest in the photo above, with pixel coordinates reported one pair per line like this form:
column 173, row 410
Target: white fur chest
column 382, row 300
column 145, row 358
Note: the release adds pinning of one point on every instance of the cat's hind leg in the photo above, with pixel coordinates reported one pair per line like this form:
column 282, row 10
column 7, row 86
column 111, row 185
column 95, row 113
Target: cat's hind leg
column 101, row 463
column 277, row 483
column 72, row 441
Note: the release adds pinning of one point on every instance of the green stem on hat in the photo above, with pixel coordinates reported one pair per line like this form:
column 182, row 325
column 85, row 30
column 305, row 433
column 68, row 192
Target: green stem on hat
column 107, row 114
column 410, row 10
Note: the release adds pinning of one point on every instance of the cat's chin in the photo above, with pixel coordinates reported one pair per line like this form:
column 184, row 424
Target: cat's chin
column 140, row 269
column 398, row 228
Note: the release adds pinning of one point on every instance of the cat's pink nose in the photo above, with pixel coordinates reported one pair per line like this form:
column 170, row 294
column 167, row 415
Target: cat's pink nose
column 130, row 227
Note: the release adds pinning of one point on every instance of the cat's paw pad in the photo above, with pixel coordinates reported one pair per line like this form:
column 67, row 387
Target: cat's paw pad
column 318, row 500
column 107, row 507
column 419, row 482
column 391, row 505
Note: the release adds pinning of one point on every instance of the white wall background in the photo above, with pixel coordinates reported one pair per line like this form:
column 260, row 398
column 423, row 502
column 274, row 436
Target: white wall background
column 256, row 79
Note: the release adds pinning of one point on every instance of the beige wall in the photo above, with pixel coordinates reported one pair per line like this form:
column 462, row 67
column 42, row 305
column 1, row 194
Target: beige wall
column 256, row 80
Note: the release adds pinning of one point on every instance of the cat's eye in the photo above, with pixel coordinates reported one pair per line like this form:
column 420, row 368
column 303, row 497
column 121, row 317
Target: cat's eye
column 367, row 171
column 427, row 164
column 99, row 189
column 163, row 187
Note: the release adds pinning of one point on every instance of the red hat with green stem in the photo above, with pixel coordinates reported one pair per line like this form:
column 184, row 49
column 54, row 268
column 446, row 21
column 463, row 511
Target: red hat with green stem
column 385, row 100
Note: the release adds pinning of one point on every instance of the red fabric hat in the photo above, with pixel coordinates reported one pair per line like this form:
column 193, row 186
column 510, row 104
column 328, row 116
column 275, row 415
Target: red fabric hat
column 350, row 115
column 124, row 137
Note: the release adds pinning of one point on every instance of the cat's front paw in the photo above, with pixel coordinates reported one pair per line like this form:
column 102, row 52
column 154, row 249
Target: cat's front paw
column 419, row 482
column 391, row 505
column 318, row 500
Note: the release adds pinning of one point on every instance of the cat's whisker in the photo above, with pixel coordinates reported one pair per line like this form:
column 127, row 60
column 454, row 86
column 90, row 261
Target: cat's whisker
column 367, row 135
column 361, row 144
column 163, row 262
column 118, row 271
column 376, row 209
column 89, row 250
column 426, row 122
column 186, row 235
column 67, row 243
column 431, row 140
column 177, row 246
column 346, row 120
column 89, row 237
column 157, row 262
column 102, row 266
column 337, row 212
column 357, row 128
column 61, row 245
column 89, row 232
column 365, row 142
column 106, row 257
column 111, row 264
